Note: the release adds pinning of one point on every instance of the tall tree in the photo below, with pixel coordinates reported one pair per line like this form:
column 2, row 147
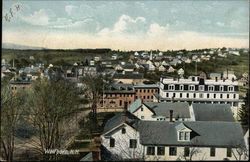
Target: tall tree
column 244, row 111
column 51, row 104
column 11, row 108
column 94, row 86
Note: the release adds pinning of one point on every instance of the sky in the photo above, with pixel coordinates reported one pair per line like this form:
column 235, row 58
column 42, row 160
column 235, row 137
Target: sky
column 127, row 25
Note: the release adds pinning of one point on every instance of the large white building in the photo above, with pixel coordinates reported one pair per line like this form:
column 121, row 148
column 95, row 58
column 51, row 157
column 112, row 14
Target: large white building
column 199, row 90
column 127, row 137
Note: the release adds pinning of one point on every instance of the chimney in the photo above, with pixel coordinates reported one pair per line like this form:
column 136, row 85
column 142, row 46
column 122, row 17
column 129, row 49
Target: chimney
column 96, row 152
column 171, row 115
column 172, row 100
column 227, row 73
column 124, row 113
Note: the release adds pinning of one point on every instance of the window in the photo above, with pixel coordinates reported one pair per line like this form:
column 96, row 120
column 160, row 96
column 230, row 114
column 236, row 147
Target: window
column 150, row 150
column 212, row 151
column 184, row 136
column 180, row 95
column 234, row 95
column 144, row 97
column 148, row 90
column 152, row 97
column 148, row 97
column 229, row 152
column 144, row 91
column 207, row 95
column 173, row 94
column 191, row 88
column 172, row 151
column 112, row 102
column 201, row 95
column 132, row 143
column 152, row 91
column 142, row 109
column 227, row 95
column 220, row 95
column 171, row 87
column 230, row 88
column 112, row 142
column 221, row 88
column 181, row 87
column 142, row 117
column 194, row 95
column 120, row 102
column 160, row 150
column 187, row 95
column 214, row 95
column 186, row 151
column 136, row 97
column 210, row 88
column 123, row 130
column 136, row 90
column 140, row 90
column 166, row 94
column 201, row 87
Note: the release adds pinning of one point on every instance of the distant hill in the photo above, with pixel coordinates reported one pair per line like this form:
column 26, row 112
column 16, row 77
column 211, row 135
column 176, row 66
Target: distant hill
column 21, row 47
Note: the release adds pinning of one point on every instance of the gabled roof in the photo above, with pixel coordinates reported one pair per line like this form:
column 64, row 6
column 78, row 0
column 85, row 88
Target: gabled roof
column 180, row 109
column 181, row 126
column 204, row 134
column 214, row 74
column 128, row 66
column 213, row 112
column 115, row 121
column 135, row 105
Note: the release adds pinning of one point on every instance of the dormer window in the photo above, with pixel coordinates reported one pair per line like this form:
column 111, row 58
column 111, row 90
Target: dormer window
column 201, row 87
column 230, row 88
column 221, row 88
column 191, row 88
column 210, row 88
column 183, row 133
column 184, row 136
column 171, row 87
column 181, row 87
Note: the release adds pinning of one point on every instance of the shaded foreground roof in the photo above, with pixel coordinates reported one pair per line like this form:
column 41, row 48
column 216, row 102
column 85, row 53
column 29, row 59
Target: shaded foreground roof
column 117, row 120
column 212, row 112
column 214, row 133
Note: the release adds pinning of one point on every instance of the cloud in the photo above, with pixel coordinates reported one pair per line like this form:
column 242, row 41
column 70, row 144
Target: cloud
column 125, row 24
column 70, row 8
column 86, row 24
column 235, row 24
column 155, row 30
column 220, row 24
column 40, row 18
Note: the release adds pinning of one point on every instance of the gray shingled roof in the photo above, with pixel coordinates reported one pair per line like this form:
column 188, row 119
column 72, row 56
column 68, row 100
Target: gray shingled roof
column 88, row 157
column 120, row 88
column 117, row 120
column 213, row 133
column 180, row 109
column 213, row 112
